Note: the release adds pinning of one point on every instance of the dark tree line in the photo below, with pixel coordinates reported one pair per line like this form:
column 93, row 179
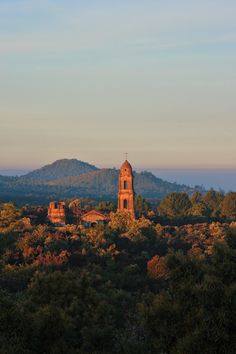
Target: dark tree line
column 212, row 205
column 130, row 287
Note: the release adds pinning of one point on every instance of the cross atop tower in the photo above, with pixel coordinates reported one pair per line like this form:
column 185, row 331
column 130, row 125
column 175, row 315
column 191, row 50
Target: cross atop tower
column 126, row 155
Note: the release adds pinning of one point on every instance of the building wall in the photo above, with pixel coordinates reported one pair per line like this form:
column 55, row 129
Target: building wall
column 57, row 213
column 126, row 189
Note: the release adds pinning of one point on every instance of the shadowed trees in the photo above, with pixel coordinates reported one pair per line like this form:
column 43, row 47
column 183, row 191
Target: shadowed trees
column 228, row 207
column 175, row 205
column 131, row 287
column 196, row 311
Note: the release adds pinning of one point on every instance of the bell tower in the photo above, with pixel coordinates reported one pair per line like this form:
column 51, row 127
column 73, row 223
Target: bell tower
column 126, row 189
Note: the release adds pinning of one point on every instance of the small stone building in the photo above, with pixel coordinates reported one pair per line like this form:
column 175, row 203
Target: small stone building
column 57, row 213
column 93, row 217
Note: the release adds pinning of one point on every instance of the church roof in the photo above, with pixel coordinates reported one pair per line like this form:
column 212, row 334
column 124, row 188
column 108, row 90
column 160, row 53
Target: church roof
column 126, row 165
column 94, row 213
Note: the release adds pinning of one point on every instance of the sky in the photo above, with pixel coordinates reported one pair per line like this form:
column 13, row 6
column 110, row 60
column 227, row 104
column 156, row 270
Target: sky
column 95, row 79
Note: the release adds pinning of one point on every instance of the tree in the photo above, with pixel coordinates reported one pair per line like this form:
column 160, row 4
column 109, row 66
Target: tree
column 68, row 315
column 175, row 205
column 196, row 197
column 228, row 208
column 141, row 206
column 195, row 312
column 75, row 209
column 8, row 214
column 157, row 268
column 14, row 326
column 121, row 221
column 213, row 200
column 106, row 207
column 199, row 207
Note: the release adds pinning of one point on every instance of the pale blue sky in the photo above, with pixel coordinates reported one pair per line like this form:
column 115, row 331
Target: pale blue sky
column 93, row 79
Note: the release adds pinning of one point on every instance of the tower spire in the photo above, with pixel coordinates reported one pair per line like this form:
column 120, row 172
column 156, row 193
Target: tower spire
column 126, row 189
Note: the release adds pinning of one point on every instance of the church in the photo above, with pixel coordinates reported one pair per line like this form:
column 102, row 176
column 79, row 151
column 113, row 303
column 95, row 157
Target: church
column 57, row 211
column 126, row 189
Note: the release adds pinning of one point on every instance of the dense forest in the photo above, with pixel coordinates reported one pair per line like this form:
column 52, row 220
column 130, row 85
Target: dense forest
column 164, row 283
column 76, row 179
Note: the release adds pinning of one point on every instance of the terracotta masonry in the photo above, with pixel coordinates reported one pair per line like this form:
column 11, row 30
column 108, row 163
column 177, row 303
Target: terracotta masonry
column 57, row 213
column 126, row 189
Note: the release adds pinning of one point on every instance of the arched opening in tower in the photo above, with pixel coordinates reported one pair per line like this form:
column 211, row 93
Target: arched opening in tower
column 125, row 185
column 125, row 204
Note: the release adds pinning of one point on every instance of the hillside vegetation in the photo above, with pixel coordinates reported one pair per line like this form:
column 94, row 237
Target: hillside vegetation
column 73, row 178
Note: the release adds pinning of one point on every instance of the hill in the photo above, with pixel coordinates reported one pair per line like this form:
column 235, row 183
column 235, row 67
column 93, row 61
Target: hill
column 60, row 169
column 104, row 183
column 74, row 179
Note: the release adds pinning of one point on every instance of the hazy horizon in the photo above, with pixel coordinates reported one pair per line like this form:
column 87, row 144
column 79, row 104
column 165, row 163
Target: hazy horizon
column 207, row 177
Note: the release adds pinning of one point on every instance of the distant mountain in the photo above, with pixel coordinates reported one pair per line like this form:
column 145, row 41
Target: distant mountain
column 60, row 169
column 74, row 179
column 104, row 182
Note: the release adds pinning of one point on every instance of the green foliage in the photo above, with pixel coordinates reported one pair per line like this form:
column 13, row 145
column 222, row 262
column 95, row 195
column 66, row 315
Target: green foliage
column 106, row 207
column 231, row 237
column 212, row 205
column 141, row 206
column 8, row 214
column 196, row 198
column 175, row 205
column 121, row 221
column 213, row 200
column 131, row 287
column 195, row 313
column 228, row 207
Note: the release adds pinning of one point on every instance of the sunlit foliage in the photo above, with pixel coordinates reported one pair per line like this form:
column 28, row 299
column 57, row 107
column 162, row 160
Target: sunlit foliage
column 133, row 286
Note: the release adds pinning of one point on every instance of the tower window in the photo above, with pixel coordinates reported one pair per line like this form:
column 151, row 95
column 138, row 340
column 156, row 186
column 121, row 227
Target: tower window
column 125, row 184
column 125, row 204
